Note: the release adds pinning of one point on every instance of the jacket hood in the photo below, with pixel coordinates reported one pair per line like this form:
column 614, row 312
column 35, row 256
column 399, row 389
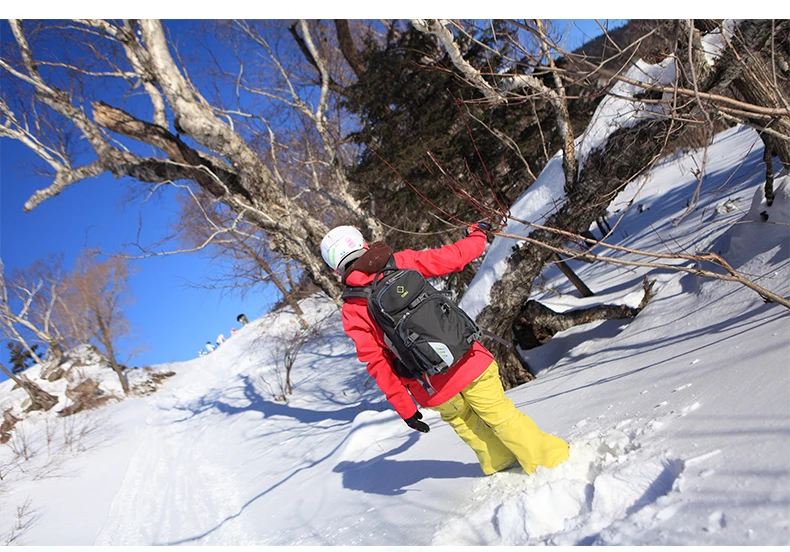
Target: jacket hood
column 365, row 267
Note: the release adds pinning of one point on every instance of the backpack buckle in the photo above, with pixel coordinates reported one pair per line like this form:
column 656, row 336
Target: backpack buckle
column 426, row 384
column 420, row 298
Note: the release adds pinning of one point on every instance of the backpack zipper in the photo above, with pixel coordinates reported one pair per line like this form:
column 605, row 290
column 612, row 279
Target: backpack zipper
column 386, row 287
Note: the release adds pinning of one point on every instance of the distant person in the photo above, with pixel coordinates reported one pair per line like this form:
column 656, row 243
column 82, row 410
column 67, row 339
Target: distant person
column 467, row 392
column 202, row 352
column 243, row 319
column 220, row 340
column 209, row 346
column 232, row 332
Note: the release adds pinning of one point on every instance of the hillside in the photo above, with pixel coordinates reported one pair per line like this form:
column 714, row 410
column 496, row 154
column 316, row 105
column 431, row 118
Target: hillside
column 678, row 419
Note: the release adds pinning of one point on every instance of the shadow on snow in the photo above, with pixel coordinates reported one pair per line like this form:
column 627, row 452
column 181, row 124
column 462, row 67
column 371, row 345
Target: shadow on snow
column 381, row 475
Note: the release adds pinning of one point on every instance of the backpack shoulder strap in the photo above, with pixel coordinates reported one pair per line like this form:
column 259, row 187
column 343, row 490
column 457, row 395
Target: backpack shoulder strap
column 351, row 292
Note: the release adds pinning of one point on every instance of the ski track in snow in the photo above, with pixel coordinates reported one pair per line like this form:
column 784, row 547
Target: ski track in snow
column 172, row 487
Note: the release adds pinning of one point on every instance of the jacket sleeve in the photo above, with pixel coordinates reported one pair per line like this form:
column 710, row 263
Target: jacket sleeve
column 378, row 360
column 446, row 259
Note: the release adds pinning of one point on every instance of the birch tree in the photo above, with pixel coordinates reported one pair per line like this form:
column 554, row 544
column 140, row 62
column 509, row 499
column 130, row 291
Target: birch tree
column 177, row 134
column 9, row 319
column 29, row 310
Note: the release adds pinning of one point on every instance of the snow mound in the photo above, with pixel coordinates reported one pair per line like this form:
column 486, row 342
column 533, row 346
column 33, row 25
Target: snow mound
column 764, row 227
column 369, row 429
column 78, row 365
column 606, row 479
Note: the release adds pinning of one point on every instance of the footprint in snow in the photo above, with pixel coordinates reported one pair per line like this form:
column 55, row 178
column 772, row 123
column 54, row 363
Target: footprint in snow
column 716, row 522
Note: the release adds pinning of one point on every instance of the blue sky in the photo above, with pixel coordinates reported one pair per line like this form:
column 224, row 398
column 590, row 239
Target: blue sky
column 171, row 318
column 174, row 319
column 581, row 31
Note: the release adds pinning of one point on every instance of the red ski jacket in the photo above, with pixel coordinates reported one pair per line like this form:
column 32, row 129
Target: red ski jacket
column 369, row 339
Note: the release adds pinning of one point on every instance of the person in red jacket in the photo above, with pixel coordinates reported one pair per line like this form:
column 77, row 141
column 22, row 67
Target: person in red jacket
column 469, row 396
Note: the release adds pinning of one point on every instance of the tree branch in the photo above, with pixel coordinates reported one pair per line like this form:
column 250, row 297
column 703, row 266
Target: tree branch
column 348, row 48
column 731, row 276
column 437, row 28
column 64, row 179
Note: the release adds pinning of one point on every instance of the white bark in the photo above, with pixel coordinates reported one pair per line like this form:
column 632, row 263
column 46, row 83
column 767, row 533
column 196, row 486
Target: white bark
column 134, row 53
column 9, row 320
column 437, row 28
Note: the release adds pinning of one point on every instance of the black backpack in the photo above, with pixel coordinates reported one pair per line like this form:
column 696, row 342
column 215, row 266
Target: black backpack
column 426, row 331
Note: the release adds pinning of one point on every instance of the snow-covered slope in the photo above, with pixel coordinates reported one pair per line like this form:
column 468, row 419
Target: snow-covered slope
column 679, row 419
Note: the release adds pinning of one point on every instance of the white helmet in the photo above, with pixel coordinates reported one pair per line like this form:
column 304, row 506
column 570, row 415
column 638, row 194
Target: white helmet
column 339, row 243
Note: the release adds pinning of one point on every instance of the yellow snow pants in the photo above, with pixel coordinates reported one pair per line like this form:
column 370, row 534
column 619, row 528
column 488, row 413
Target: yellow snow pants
column 497, row 431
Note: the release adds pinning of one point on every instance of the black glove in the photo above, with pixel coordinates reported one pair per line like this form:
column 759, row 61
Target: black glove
column 415, row 423
column 484, row 226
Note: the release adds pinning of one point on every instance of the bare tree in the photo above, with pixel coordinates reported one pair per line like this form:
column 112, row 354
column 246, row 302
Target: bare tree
column 240, row 249
column 29, row 307
column 203, row 143
column 284, row 353
column 98, row 294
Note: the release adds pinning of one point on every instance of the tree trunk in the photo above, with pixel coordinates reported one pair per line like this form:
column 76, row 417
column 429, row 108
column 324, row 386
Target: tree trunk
column 39, row 399
column 8, row 320
column 347, row 47
column 537, row 323
column 118, row 369
column 768, row 189
column 606, row 170
column 577, row 282
column 105, row 337
column 771, row 88
column 760, row 75
column 287, row 295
